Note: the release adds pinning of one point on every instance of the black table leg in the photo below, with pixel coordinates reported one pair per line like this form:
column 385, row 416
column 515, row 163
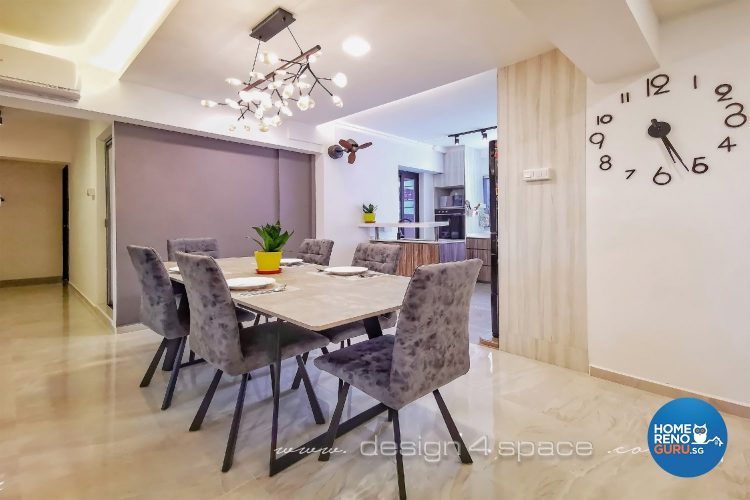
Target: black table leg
column 372, row 326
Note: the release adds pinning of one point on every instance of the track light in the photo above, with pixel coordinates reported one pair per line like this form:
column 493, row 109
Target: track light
column 484, row 136
column 455, row 140
column 482, row 131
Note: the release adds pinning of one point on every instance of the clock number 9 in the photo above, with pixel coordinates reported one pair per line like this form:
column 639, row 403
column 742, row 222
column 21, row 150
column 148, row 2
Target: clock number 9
column 605, row 162
column 597, row 139
column 698, row 166
column 738, row 114
column 662, row 178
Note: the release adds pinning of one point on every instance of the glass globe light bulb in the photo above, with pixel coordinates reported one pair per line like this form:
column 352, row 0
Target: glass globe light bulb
column 337, row 101
column 231, row 103
column 259, row 113
column 304, row 103
column 208, row 103
column 288, row 91
column 263, row 127
column 235, row 82
column 285, row 109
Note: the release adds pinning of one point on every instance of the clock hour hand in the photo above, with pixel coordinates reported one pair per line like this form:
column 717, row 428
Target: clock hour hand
column 671, row 149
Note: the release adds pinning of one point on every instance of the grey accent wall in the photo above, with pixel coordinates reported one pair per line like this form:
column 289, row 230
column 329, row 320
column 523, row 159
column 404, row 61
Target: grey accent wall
column 172, row 185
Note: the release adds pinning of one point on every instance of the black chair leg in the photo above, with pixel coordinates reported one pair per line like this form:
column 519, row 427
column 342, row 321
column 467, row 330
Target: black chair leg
column 275, row 418
column 198, row 420
column 273, row 378
column 324, row 350
column 257, row 320
column 341, row 346
column 232, row 441
column 173, row 376
column 333, row 429
column 191, row 356
column 298, row 376
column 348, row 342
column 463, row 452
column 154, row 363
column 399, row 458
column 314, row 405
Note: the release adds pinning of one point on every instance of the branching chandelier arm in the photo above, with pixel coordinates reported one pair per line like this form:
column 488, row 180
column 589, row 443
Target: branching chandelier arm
column 261, row 93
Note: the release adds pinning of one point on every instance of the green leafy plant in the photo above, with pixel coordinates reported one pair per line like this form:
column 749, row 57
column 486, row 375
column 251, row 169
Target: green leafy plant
column 369, row 209
column 273, row 239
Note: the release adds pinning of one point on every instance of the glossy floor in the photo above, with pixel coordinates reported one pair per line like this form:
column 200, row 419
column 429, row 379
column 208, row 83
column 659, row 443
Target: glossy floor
column 75, row 424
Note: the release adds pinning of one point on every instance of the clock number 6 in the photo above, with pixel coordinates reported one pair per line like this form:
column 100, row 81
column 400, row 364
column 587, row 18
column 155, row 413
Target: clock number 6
column 662, row 178
column 605, row 162
column 698, row 166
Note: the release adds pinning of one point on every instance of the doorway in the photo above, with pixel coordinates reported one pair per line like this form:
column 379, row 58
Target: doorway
column 65, row 226
column 408, row 201
column 108, row 216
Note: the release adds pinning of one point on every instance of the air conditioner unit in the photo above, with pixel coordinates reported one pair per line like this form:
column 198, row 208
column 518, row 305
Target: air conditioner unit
column 29, row 72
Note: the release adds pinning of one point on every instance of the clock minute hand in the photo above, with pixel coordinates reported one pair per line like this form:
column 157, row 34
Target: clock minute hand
column 668, row 148
column 671, row 149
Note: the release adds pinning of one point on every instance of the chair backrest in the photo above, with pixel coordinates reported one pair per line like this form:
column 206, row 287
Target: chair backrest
column 214, row 330
column 431, row 347
column 200, row 246
column 316, row 251
column 380, row 257
column 158, row 305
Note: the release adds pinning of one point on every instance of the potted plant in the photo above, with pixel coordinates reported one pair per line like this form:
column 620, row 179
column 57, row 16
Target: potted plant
column 368, row 213
column 273, row 240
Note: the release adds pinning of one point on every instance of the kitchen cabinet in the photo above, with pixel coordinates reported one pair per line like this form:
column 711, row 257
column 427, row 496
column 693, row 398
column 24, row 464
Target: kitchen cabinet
column 418, row 253
column 454, row 166
column 479, row 248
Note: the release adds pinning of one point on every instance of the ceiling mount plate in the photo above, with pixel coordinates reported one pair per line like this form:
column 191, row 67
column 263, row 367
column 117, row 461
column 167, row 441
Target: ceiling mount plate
column 269, row 27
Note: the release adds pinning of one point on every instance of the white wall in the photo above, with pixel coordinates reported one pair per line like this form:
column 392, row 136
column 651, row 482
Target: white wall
column 341, row 189
column 87, row 240
column 668, row 275
column 26, row 135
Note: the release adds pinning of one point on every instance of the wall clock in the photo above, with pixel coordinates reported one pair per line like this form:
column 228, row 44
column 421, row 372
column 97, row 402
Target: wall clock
column 666, row 127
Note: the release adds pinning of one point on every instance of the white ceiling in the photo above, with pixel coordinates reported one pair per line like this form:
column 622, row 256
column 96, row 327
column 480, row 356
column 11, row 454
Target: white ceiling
column 54, row 22
column 416, row 45
column 467, row 104
column 669, row 9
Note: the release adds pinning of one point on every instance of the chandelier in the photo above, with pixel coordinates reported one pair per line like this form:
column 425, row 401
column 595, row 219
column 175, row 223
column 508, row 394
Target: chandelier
column 265, row 97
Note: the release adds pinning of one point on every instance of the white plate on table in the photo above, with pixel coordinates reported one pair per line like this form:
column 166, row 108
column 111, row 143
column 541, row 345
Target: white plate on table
column 346, row 270
column 290, row 261
column 174, row 269
column 251, row 283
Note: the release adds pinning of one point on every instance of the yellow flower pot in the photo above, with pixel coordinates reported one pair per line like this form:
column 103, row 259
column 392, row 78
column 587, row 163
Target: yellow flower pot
column 268, row 262
column 369, row 218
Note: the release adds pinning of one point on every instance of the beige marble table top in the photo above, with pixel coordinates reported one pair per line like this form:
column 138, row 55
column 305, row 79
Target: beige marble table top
column 315, row 300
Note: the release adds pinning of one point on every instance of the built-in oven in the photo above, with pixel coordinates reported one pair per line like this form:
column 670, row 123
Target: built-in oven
column 455, row 218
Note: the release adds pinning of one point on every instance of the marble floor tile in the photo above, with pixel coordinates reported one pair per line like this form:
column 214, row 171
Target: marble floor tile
column 75, row 424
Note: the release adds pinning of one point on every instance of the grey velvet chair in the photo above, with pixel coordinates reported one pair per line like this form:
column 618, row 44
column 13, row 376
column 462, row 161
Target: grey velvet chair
column 200, row 246
column 160, row 313
column 316, row 251
column 380, row 257
column 430, row 349
column 217, row 336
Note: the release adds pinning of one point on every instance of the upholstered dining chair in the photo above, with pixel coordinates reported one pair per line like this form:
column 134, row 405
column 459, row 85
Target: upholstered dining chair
column 316, row 251
column 160, row 313
column 429, row 350
column 201, row 246
column 217, row 336
column 379, row 257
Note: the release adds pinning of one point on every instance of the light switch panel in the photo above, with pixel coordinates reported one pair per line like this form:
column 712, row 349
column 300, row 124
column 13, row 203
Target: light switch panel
column 537, row 174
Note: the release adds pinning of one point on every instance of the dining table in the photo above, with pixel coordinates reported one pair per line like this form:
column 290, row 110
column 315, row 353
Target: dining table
column 310, row 297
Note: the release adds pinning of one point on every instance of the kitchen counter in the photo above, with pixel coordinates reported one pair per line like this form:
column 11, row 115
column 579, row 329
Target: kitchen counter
column 377, row 226
column 415, row 253
column 478, row 247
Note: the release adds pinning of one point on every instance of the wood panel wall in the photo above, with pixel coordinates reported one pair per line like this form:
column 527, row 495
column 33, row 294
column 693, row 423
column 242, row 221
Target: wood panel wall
column 541, row 119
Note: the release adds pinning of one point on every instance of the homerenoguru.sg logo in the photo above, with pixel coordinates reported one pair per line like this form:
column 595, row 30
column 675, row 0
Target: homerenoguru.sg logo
column 687, row 437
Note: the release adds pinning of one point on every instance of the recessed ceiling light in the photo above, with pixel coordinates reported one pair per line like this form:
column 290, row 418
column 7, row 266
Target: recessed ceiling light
column 356, row 46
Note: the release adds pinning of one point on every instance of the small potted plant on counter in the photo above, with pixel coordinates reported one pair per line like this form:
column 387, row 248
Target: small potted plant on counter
column 368, row 213
column 269, row 258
